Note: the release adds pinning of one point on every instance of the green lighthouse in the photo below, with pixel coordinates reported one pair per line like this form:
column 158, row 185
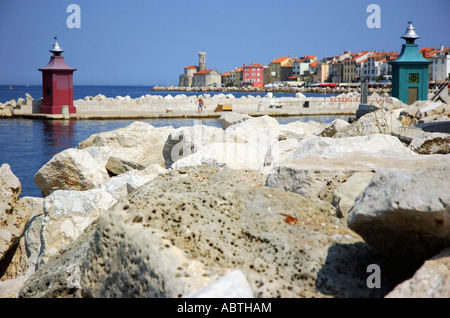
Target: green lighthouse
column 410, row 71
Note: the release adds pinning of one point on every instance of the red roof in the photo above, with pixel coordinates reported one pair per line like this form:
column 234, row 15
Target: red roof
column 253, row 65
column 314, row 64
column 191, row 66
column 204, row 72
column 280, row 59
column 57, row 63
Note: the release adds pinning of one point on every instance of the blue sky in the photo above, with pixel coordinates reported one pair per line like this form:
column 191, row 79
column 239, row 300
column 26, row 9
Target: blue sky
column 146, row 42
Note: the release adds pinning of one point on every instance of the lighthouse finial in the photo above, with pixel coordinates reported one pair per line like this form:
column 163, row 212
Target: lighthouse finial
column 56, row 49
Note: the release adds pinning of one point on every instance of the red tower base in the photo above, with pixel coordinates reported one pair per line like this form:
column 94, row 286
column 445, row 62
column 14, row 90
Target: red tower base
column 56, row 109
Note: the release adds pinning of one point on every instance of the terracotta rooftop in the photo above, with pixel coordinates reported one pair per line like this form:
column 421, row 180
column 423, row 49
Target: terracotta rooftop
column 253, row 65
column 191, row 66
column 279, row 60
column 204, row 72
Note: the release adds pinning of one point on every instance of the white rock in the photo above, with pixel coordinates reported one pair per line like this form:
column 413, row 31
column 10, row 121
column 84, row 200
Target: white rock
column 405, row 212
column 300, row 127
column 71, row 169
column 139, row 142
column 67, row 214
column 232, row 285
column 229, row 154
column 228, row 119
column 332, row 128
column 375, row 144
column 431, row 143
column 345, row 194
column 185, row 141
column 123, row 184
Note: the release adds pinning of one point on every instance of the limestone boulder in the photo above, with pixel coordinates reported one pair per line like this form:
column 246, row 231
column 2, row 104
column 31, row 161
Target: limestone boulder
column 376, row 122
column 432, row 280
column 431, row 143
column 254, row 127
column 185, row 141
column 187, row 244
column 67, row 214
column 61, row 276
column 228, row 119
column 319, row 176
column 116, row 166
column 21, row 259
column 332, row 128
column 185, row 230
column 14, row 214
column 241, row 146
column 10, row 288
column 280, row 151
column 375, row 145
column 303, row 128
column 71, row 169
column 227, row 154
column 232, row 285
column 345, row 194
column 139, row 142
column 406, row 212
column 122, row 185
column 10, row 189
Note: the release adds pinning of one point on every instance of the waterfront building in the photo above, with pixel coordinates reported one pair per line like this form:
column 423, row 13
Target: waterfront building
column 313, row 67
column 207, row 78
column 410, row 71
column 186, row 79
column 276, row 66
column 253, row 75
column 441, row 66
column 323, row 69
column 226, row 79
column 199, row 76
column 286, row 71
column 236, row 76
column 57, row 84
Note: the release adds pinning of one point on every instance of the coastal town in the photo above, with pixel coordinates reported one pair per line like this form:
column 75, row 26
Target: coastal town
column 345, row 70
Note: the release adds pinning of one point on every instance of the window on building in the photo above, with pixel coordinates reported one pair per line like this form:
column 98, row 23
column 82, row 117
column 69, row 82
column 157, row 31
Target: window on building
column 413, row 78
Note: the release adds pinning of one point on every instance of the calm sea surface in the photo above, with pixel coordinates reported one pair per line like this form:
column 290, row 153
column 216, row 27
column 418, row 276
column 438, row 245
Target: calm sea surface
column 27, row 144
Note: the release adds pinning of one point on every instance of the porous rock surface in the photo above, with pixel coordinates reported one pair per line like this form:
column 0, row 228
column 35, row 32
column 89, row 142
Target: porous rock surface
column 406, row 213
column 184, row 230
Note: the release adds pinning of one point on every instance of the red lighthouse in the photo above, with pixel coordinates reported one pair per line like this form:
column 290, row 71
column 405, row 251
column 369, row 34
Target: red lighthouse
column 57, row 84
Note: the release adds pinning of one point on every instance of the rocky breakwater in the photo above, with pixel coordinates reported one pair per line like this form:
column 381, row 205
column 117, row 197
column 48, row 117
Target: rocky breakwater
column 295, row 210
column 181, row 103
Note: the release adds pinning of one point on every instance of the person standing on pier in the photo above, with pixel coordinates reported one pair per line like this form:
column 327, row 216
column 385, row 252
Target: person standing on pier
column 200, row 105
